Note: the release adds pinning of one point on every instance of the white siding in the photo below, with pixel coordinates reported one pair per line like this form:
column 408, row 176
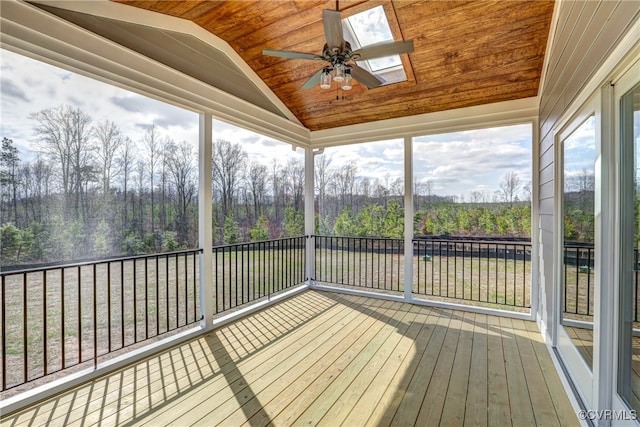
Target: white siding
column 586, row 33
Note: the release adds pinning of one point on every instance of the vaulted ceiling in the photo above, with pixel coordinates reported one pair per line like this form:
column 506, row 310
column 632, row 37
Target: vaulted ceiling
column 467, row 53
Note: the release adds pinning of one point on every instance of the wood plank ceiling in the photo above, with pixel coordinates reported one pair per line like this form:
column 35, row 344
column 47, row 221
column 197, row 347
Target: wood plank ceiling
column 466, row 52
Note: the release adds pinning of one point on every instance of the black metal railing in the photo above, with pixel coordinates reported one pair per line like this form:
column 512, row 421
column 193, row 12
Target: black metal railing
column 57, row 317
column 492, row 272
column 579, row 280
column 483, row 271
column 364, row 262
column 247, row 272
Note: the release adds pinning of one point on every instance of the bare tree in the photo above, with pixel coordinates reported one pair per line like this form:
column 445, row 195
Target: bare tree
column 110, row 140
column 151, row 141
column 125, row 162
column 344, row 182
column 181, row 166
column 323, row 176
column 140, row 167
column 509, row 186
column 257, row 184
column 294, row 172
column 9, row 163
column 476, row 197
column 64, row 134
column 526, row 190
column 228, row 165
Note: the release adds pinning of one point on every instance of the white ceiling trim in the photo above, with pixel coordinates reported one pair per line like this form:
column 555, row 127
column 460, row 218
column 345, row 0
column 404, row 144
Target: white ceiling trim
column 134, row 15
column 476, row 117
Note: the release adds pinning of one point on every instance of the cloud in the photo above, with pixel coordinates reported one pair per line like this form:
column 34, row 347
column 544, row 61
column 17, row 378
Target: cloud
column 456, row 163
column 10, row 89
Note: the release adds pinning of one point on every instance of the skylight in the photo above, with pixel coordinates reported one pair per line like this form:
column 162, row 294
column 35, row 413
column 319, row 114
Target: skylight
column 368, row 28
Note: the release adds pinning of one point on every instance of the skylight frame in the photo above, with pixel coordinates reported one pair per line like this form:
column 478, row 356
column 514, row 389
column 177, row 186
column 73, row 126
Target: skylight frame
column 395, row 72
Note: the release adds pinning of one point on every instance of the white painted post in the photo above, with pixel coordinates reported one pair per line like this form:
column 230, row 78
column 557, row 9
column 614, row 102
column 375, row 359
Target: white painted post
column 408, row 218
column 534, row 291
column 205, row 232
column 309, row 213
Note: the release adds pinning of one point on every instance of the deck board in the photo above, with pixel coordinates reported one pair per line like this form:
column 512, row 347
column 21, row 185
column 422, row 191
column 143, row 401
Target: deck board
column 321, row 358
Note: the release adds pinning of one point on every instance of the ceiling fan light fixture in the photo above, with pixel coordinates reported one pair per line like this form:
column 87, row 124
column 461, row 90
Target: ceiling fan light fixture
column 347, row 83
column 325, row 79
column 338, row 73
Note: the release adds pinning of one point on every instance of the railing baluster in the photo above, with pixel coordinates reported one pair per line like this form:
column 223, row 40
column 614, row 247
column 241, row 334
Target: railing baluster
column 177, row 298
column 157, row 274
column 45, row 362
column 146, row 298
column 62, row 322
column 121, row 303
column 79, row 278
column 4, row 333
column 25, row 341
column 109, row 307
column 95, row 317
column 589, row 252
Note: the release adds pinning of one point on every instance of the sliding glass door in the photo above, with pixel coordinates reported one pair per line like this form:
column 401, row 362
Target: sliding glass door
column 578, row 145
column 627, row 97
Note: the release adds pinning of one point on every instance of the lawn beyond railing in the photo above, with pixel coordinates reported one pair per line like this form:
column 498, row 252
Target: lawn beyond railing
column 496, row 273
column 579, row 281
column 364, row 262
column 247, row 272
column 57, row 317
column 493, row 272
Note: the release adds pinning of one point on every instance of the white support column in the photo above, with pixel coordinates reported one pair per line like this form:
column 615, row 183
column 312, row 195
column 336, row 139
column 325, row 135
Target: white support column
column 309, row 212
column 534, row 291
column 408, row 218
column 205, row 232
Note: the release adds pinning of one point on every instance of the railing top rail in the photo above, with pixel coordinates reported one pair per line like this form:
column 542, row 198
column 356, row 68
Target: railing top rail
column 585, row 245
column 6, row 272
column 482, row 242
column 359, row 237
column 281, row 239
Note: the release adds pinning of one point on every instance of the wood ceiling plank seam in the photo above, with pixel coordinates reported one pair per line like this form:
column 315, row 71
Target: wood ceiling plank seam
column 462, row 16
column 256, row 40
column 482, row 47
column 319, row 124
column 282, row 15
column 232, row 14
column 435, row 7
column 463, row 34
column 201, row 7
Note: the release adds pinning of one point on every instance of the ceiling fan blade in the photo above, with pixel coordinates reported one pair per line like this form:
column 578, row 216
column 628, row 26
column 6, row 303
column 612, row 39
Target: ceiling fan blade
column 313, row 81
column 333, row 28
column 291, row 55
column 383, row 49
column 365, row 77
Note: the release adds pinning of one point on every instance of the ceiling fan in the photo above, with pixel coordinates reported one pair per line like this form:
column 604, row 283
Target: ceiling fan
column 337, row 52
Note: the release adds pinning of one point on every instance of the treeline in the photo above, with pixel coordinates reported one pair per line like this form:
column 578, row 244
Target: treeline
column 92, row 192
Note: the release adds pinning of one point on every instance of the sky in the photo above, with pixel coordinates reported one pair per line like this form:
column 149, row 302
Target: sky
column 456, row 163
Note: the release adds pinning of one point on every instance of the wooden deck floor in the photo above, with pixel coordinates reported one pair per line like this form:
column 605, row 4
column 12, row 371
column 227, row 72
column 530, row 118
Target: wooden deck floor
column 330, row 359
